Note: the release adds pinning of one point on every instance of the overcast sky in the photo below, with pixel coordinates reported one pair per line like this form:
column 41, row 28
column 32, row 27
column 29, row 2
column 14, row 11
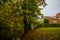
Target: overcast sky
column 52, row 8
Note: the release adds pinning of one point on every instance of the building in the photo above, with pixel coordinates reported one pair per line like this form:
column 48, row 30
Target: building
column 55, row 19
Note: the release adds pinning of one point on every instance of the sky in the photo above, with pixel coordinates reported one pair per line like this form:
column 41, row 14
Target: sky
column 52, row 8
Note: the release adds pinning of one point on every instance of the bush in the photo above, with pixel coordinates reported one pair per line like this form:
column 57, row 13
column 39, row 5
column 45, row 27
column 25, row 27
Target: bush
column 50, row 25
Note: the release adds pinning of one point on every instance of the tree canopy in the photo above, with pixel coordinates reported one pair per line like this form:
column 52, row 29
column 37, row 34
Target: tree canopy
column 20, row 14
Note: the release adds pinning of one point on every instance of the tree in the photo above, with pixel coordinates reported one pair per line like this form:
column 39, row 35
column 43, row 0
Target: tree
column 10, row 15
column 46, row 21
column 20, row 14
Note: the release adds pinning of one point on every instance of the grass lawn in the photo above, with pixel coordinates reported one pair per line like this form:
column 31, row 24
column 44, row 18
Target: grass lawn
column 49, row 30
column 48, row 33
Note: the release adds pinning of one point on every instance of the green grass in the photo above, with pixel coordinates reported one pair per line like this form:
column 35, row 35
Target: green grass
column 50, row 30
column 46, row 33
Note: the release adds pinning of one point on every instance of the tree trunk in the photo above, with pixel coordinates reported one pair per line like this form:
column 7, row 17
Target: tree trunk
column 27, row 26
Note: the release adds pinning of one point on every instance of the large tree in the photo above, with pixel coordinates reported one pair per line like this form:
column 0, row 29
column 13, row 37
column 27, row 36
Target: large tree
column 30, row 11
column 20, row 14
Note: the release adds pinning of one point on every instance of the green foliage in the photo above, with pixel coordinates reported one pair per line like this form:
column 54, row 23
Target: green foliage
column 41, row 22
column 46, row 21
column 15, row 15
column 5, row 31
column 49, row 25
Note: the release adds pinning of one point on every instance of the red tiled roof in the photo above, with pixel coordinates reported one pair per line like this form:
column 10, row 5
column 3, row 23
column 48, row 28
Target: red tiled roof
column 58, row 14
